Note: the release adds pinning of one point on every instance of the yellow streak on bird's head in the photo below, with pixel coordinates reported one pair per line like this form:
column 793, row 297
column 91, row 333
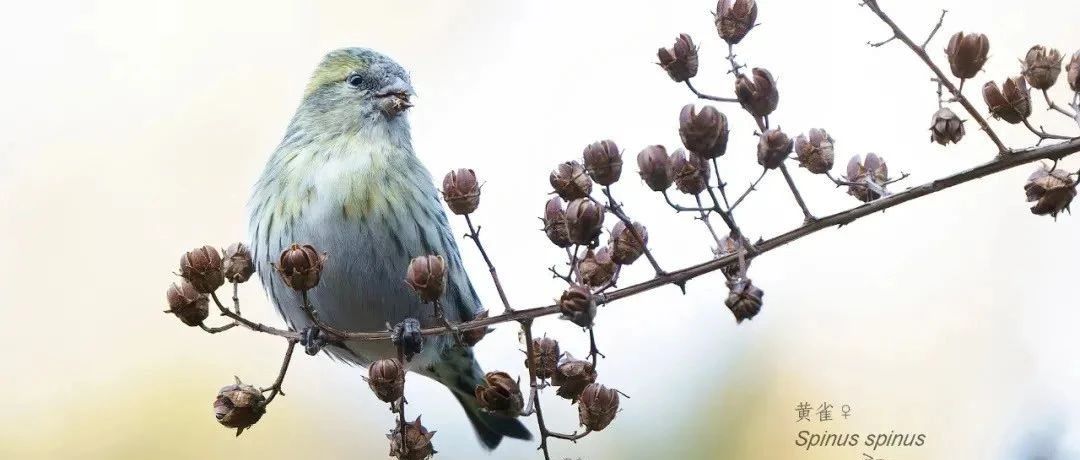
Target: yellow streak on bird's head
column 335, row 67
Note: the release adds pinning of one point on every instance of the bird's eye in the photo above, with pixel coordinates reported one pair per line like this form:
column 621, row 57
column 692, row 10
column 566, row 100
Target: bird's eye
column 355, row 81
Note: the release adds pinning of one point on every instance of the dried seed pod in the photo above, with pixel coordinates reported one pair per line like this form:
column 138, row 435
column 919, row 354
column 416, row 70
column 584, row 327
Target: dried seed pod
column 967, row 53
column 572, row 376
column 237, row 264
column 386, row 378
column 461, row 191
column 757, row 92
column 1011, row 102
column 584, row 220
column 555, row 223
column 545, row 357
column 946, row 127
column 417, row 442
column 603, row 162
column 655, row 167
column 1051, row 190
column 773, row 148
column 202, row 267
column 187, row 303
column 691, row 172
column 625, row 246
column 570, row 181
column 1072, row 72
column 868, row 176
column 597, row 406
column 300, row 266
column 815, row 151
column 473, row 336
column 730, row 245
column 427, row 276
column 239, row 406
column 681, row 60
column 596, row 269
column 704, row 133
column 744, row 299
column 577, row 305
column 1042, row 66
column 734, row 19
column 500, row 394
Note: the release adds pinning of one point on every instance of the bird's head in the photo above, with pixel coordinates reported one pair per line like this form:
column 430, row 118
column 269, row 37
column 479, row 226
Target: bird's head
column 357, row 85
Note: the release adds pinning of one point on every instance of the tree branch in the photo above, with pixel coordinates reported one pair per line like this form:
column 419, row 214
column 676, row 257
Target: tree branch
column 944, row 80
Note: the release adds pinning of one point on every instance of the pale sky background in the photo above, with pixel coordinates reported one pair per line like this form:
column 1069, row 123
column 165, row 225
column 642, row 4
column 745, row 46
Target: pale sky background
column 133, row 131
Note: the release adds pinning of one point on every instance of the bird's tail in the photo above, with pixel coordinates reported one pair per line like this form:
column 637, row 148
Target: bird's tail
column 460, row 372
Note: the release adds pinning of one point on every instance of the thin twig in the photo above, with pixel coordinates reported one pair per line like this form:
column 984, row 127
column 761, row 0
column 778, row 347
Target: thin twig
column 474, row 235
column 708, row 224
column 275, row 389
column 1050, row 103
column 874, row 7
column 215, row 330
column 701, row 95
column 795, row 192
column 1043, row 135
column 752, row 187
column 534, row 389
column 593, row 351
column 933, row 32
column 615, row 208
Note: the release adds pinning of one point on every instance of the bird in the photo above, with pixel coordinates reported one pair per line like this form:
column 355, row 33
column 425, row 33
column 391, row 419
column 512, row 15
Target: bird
column 345, row 179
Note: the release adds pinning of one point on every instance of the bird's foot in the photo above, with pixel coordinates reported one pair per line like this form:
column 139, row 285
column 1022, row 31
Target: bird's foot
column 312, row 339
column 408, row 338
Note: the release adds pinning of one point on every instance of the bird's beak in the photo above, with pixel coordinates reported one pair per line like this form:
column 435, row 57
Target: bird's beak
column 395, row 98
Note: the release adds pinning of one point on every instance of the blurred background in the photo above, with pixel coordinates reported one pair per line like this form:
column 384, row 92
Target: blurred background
column 133, row 131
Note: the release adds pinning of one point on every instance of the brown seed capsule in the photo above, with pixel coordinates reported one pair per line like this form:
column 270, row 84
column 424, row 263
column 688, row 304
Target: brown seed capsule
column 1042, row 66
column 1051, row 190
column 734, row 19
column 1011, row 103
column 869, row 177
column 461, row 191
column 655, row 167
column 202, row 267
column 572, row 376
column 386, row 378
column 773, row 148
column 597, row 268
column 187, row 303
column 691, row 172
column 417, row 444
column 239, row 406
column 815, row 151
column 500, row 394
column 577, row 305
column 570, row 181
column 730, row 245
column 427, row 276
column 757, row 93
column 473, row 336
column 603, row 162
column 300, row 266
column 967, row 54
column 946, row 127
column 704, row 133
column 597, row 406
column 744, row 299
column 626, row 247
column 1072, row 72
column 681, row 60
column 584, row 220
column 555, row 223
column 545, row 357
column 237, row 265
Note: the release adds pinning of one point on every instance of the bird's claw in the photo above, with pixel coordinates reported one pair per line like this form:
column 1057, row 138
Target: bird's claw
column 312, row 339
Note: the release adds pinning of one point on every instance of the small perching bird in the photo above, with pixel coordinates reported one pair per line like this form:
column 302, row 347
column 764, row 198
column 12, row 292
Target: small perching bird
column 346, row 180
